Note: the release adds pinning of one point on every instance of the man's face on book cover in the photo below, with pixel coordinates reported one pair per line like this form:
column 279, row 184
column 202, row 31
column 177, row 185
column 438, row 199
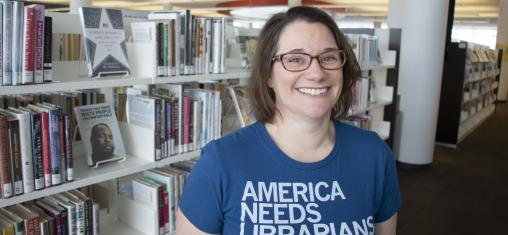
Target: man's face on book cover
column 102, row 141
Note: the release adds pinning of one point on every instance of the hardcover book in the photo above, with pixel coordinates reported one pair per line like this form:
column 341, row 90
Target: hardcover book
column 242, row 105
column 100, row 133
column 105, row 45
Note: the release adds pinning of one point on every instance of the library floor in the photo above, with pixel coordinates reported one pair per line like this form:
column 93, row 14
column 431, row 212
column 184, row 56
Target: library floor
column 465, row 190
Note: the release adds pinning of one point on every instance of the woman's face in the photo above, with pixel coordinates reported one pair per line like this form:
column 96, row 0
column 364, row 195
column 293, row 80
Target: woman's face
column 310, row 93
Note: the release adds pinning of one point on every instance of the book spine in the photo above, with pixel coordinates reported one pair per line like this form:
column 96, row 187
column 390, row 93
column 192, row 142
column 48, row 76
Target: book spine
column 7, row 43
column 46, row 156
column 186, row 118
column 168, row 128
column 68, row 148
column 191, row 126
column 48, row 40
column 89, row 217
column 25, row 137
column 96, row 219
column 157, row 131
column 174, row 141
column 160, row 207
column 171, row 47
column 27, row 76
column 165, row 48
column 39, row 44
column 53, row 147
column 160, row 48
column 62, row 147
column 38, row 166
column 17, row 42
column 5, row 168
column 16, row 162
column 216, row 25
column 1, row 44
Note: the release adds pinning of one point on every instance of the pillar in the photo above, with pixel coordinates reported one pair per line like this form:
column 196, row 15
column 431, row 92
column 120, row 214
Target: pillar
column 74, row 5
column 423, row 25
column 502, row 42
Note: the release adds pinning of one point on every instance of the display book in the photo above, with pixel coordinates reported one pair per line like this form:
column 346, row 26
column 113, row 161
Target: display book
column 25, row 42
column 83, row 175
column 471, row 80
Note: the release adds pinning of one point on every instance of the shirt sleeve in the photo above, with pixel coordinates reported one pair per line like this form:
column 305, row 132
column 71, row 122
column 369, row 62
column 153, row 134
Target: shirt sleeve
column 391, row 199
column 201, row 200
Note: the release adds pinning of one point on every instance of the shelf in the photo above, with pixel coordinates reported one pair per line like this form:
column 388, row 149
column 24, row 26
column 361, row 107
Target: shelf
column 380, row 103
column 178, row 158
column 115, row 81
column 471, row 123
column 480, row 95
column 85, row 176
column 466, row 81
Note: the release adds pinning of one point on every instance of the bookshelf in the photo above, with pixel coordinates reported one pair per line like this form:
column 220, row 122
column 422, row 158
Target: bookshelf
column 70, row 76
column 385, row 74
column 468, row 91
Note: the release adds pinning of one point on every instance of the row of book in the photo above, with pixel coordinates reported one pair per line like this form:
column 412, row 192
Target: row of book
column 158, row 190
column 25, row 44
column 36, row 135
column 477, row 54
column 365, row 48
column 71, row 212
column 474, row 90
column 363, row 94
column 182, row 118
column 183, row 43
column 476, row 105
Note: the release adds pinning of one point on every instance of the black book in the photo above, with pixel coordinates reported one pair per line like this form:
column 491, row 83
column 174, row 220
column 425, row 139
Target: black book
column 48, row 62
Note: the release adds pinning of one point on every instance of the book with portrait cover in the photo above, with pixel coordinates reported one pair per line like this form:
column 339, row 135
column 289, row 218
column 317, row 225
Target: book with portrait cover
column 100, row 133
column 105, row 48
column 240, row 100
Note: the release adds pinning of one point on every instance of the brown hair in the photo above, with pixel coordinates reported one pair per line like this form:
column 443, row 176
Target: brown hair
column 262, row 96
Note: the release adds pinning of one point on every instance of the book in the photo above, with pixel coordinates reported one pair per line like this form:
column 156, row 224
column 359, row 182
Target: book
column 46, row 222
column 105, row 45
column 17, row 42
column 15, row 152
column 29, row 28
column 80, row 210
column 18, row 222
column 101, row 135
column 45, row 143
column 48, row 43
column 39, row 43
column 7, row 43
column 30, row 218
column 242, row 106
column 5, row 162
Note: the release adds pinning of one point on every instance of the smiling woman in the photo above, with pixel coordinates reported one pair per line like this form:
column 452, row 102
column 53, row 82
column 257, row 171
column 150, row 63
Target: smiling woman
column 296, row 170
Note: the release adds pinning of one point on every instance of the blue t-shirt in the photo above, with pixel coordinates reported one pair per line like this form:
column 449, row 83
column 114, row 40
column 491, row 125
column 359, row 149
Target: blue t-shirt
column 244, row 184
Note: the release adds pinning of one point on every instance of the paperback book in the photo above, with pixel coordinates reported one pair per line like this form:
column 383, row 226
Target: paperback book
column 100, row 133
column 105, row 45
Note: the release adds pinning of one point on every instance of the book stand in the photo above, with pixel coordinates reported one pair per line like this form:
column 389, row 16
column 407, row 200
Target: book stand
column 114, row 159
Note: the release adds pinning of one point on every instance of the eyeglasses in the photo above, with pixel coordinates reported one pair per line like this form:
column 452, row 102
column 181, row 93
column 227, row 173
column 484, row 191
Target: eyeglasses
column 299, row 61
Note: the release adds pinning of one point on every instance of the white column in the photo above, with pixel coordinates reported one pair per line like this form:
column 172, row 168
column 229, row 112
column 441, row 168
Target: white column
column 423, row 41
column 502, row 42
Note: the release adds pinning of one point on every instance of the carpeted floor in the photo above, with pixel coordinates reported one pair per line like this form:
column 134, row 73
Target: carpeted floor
column 465, row 190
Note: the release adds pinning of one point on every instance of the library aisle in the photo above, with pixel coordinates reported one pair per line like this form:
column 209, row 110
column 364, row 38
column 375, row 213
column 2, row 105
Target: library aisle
column 464, row 190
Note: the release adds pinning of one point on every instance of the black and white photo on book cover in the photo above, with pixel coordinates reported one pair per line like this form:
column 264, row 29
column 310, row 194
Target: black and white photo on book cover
column 105, row 45
column 100, row 133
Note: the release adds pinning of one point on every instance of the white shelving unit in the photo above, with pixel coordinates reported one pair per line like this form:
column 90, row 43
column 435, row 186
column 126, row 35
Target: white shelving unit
column 472, row 122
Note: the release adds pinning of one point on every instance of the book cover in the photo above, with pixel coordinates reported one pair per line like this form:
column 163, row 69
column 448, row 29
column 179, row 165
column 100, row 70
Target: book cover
column 48, row 43
column 45, row 143
column 242, row 106
column 105, row 45
column 101, row 135
column 39, row 43
column 17, row 42
column 28, row 63
column 15, row 152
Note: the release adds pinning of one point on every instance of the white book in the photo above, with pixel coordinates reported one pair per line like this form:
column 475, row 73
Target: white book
column 1, row 44
column 147, row 195
column 7, row 43
column 146, row 32
column 25, row 137
column 223, row 46
column 80, row 211
column 95, row 219
column 17, row 42
column 216, row 46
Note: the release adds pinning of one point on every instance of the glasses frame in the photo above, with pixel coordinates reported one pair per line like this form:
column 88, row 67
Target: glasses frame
column 279, row 57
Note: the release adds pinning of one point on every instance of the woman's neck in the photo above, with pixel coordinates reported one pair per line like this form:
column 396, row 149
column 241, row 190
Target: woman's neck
column 303, row 140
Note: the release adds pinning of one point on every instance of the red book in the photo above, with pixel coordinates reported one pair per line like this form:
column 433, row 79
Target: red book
column 28, row 46
column 46, row 157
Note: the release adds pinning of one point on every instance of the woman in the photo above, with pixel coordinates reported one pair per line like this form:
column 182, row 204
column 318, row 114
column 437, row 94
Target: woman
column 297, row 170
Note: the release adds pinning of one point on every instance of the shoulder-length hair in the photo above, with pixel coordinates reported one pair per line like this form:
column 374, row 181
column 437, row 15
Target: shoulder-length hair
column 262, row 96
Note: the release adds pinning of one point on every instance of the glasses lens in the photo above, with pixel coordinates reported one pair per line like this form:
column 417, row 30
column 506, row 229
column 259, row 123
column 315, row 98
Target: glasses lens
column 295, row 61
column 332, row 59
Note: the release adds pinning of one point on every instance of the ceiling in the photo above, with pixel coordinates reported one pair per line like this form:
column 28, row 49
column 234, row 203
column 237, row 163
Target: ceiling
column 465, row 10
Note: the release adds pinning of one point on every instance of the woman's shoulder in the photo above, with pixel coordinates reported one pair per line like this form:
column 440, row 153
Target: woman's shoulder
column 238, row 141
column 355, row 133
column 357, row 140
